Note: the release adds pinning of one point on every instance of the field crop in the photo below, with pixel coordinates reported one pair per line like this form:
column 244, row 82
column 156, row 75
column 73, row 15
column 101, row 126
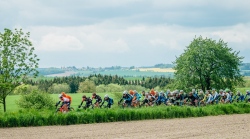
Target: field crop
column 157, row 69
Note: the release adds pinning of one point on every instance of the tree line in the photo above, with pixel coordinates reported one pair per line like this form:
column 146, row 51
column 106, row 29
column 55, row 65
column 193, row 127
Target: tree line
column 98, row 79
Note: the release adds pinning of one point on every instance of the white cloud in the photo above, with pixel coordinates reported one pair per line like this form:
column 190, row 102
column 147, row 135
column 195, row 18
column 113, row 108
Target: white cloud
column 237, row 34
column 109, row 28
column 53, row 42
column 83, row 38
column 105, row 37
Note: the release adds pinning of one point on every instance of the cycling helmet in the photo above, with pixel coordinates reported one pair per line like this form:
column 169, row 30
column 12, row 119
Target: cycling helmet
column 125, row 92
column 60, row 95
column 106, row 96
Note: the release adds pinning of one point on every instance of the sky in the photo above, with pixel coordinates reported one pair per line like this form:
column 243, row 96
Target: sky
column 104, row 33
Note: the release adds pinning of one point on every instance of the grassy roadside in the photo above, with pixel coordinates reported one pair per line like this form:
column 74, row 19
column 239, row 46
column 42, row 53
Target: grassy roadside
column 24, row 118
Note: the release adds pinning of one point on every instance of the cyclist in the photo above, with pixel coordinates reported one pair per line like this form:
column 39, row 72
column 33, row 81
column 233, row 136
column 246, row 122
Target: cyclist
column 97, row 98
column 193, row 98
column 179, row 98
column 109, row 100
column 146, row 99
column 161, row 99
column 247, row 96
column 127, row 98
column 88, row 101
column 239, row 97
column 136, row 99
column 67, row 96
column 227, row 96
column 152, row 92
column 201, row 100
column 65, row 102
column 151, row 99
column 210, row 97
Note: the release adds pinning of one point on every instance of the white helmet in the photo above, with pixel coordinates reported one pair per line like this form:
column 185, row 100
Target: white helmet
column 60, row 95
column 106, row 96
column 125, row 92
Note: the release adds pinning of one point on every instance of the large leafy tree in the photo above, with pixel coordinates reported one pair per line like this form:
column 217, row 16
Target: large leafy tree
column 17, row 61
column 207, row 64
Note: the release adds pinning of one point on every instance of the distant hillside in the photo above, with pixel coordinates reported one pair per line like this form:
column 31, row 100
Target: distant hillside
column 132, row 71
column 245, row 66
column 159, row 66
column 48, row 71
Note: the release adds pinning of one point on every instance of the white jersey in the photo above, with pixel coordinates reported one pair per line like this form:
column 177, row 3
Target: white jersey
column 64, row 99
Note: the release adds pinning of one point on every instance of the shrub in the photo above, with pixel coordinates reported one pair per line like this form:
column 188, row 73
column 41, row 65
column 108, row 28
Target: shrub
column 24, row 89
column 101, row 88
column 35, row 100
column 87, row 86
column 114, row 88
column 58, row 88
column 133, row 87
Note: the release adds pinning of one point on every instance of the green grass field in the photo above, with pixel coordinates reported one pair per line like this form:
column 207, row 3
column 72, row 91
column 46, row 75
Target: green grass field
column 76, row 100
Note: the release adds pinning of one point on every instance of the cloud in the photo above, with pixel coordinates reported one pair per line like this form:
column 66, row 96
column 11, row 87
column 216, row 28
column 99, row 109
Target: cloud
column 111, row 32
column 121, row 38
column 53, row 42
column 237, row 34
column 83, row 38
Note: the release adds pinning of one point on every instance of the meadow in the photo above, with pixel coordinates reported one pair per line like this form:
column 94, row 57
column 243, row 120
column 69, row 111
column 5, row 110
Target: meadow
column 76, row 100
column 77, row 97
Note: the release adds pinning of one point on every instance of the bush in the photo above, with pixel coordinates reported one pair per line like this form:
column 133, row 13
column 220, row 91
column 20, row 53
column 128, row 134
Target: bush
column 58, row 88
column 87, row 86
column 24, row 89
column 114, row 88
column 101, row 88
column 133, row 87
column 35, row 100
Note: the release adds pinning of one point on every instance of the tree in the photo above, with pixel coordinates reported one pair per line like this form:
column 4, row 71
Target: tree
column 207, row 64
column 24, row 89
column 17, row 61
column 59, row 88
column 87, row 87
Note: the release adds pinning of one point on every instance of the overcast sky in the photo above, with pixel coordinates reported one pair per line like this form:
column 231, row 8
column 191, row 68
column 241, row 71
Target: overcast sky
column 101, row 33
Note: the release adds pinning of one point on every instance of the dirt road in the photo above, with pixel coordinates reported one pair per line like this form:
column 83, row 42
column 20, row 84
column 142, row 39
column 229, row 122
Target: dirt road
column 212, row 127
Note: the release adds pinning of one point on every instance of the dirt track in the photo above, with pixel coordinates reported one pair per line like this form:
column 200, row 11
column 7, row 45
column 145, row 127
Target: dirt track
column 212, row 127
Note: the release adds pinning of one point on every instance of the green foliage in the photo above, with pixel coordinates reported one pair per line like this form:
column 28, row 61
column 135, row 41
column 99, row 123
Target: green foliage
column 101, row 88
column 134, row 87
column 24, row 89
column 17, row 60
column 208, row 64
column 114, row 88
column 48, row 117
column 87, row 86
column 101, row 81
column 58, row 88
column 36, row 100
column 117, row 96
column 109, row 88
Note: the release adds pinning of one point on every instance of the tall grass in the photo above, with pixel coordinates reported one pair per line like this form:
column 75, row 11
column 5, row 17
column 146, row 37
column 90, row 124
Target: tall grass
column 48, row 117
